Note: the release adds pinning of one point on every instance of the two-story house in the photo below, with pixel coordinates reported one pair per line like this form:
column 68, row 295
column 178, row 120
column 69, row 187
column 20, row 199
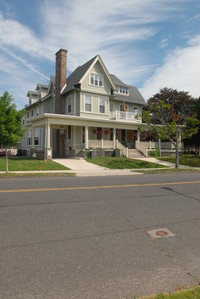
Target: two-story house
column 89, row 109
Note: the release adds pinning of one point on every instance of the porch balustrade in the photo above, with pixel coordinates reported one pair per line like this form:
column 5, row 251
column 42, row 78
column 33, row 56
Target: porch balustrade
column 131, row 116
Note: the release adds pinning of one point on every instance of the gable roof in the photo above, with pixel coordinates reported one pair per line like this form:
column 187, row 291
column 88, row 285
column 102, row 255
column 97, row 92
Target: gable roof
column 134, row 95
column 77, row 76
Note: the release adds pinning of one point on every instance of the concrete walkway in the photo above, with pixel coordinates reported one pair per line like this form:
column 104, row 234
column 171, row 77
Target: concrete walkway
column 83, row 168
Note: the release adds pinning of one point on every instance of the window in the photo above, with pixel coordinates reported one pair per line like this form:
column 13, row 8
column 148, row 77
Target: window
column 37, row 136
column 29, row 139
column 31, row 112
column 88, row 105
column 123, row 90
column 111, row 106
column 101, row 105
column 96, row 79
column 38, row 111
column 69, row 105
column 135, row 110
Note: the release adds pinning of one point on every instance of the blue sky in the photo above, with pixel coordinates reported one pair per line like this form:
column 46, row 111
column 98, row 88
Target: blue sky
column 146, row 43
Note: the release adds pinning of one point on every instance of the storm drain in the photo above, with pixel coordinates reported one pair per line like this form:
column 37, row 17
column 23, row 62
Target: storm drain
column 160, row 233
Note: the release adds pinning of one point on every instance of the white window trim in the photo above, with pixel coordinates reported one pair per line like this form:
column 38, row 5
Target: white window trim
column 38, row 129
column 88, row 95
column 94, row 85
column 124, row 88
column 69, row 99
column 29, row 137
column 105, row 103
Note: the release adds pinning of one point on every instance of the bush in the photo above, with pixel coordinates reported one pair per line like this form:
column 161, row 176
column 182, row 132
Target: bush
column 155, row 153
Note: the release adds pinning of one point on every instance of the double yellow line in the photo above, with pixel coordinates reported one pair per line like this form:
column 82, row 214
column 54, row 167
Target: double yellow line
column 97, row 187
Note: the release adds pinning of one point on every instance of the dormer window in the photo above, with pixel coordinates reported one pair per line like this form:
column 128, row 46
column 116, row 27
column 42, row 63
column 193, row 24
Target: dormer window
column 123, row 90
column 96, row 79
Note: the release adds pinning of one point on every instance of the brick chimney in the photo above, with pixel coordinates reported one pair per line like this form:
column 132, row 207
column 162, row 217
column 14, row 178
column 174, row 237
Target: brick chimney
column 61, row 80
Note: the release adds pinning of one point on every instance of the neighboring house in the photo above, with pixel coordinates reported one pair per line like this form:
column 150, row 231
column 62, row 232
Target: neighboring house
column 89, row 109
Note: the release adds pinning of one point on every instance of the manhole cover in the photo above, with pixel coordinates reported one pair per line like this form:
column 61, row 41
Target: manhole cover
column 160, row 233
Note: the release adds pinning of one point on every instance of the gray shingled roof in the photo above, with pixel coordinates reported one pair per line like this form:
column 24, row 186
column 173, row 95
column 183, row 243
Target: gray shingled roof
column 134, row 94
column 75, row 77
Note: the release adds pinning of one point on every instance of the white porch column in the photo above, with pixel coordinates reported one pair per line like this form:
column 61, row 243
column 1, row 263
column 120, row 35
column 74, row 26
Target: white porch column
column 114, row 138
column 33, row 137
column 138, row 137
column 86, row 137
column 102, row 142
column 74, row 137
column 47, row 145
column 48, row 150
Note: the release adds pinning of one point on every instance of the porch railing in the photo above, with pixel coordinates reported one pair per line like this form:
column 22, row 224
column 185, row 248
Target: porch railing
column 145, row 147
column 125, row 116
column 120, row 146
column 104, row 144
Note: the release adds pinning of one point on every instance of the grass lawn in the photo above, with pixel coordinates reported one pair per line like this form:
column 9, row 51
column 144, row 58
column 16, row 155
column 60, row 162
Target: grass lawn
column 186, row 294
column 167, row 170
column 122, row 163
column 28, row 164
column 188, row 160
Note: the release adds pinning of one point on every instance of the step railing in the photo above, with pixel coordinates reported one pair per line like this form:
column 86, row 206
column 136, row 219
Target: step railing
column 142, row 148
column 120, row 146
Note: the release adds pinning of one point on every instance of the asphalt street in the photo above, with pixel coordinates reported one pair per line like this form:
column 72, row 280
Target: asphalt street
column 92, row 237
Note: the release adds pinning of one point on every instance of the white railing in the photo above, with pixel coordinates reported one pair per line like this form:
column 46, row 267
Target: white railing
column 120, row 146
column 142, row 148
column 125, row 116
column 104, row 144
column 146, row 146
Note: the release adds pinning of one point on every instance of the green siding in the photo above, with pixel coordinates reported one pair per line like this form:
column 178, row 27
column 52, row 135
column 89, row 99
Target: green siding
column 105, row 89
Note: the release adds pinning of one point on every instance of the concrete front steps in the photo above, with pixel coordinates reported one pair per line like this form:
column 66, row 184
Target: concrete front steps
column 134, row 154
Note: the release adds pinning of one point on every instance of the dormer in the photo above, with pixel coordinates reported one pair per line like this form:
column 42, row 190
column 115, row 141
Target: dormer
column 42, row 90
column 33, row 97
column 123, row 90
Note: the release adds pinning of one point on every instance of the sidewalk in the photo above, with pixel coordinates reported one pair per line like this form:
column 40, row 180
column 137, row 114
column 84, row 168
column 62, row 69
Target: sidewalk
column 81, row 168
column 85, row 169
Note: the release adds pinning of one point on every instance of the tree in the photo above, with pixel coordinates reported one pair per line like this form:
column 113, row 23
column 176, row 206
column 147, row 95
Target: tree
column 11, row 129
column 171, row 115
column 194, row 141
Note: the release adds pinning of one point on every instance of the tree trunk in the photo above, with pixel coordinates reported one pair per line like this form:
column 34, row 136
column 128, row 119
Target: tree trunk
column 177, row 148
column 177, row 157
column 6, row 160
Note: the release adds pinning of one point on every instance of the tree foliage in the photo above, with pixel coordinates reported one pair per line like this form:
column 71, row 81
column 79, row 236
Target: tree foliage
column 11, row 129
column 170, row 113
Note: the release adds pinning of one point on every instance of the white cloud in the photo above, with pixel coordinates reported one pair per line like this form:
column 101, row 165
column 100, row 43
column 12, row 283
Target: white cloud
column 20, row 37
column 111, row 28
column 180, row 71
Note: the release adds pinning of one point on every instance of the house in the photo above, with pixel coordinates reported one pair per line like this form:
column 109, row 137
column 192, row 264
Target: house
column 90, row 109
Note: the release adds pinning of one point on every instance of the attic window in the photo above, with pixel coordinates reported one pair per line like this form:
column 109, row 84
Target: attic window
column 123, row 90
column 96, row 79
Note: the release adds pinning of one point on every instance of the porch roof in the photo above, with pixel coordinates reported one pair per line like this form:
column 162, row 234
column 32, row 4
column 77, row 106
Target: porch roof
column 60, row 119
